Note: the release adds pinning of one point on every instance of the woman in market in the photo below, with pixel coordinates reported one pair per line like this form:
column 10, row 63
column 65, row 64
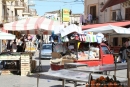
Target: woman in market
column 23, row 45
column 9, row 45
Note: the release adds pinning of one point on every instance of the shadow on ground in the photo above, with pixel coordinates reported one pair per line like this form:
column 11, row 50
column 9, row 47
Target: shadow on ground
column 43, row 68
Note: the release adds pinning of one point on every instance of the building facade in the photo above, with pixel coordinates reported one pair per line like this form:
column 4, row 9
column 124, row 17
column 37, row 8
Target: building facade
column 57, row 16
column 117, row 12
column 13, row 10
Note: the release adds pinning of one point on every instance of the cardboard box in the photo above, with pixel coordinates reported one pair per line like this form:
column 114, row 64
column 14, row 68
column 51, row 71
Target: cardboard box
column 63, row 61
column 56, row 55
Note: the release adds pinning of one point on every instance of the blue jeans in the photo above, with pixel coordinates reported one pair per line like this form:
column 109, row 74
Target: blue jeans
column 123, row 60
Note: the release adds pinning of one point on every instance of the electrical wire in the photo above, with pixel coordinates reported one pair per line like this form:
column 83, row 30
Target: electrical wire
column 64, row 4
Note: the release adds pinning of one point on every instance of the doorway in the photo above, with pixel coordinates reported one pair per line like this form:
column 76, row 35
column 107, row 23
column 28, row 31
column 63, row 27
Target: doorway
column 93, row 12
column 127, row 14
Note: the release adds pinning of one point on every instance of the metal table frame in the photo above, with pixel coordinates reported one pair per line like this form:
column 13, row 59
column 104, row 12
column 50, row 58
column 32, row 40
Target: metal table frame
column 77, row 76
column 73, row 65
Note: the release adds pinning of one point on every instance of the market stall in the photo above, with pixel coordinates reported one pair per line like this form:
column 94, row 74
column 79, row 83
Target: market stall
column 110, row 30
column 80, row 47
column 31, row 25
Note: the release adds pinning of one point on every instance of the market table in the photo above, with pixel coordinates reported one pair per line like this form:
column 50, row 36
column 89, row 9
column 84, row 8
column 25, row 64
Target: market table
column 17, row 61
column 104, row 68
column 73, row 65
column 75, row 76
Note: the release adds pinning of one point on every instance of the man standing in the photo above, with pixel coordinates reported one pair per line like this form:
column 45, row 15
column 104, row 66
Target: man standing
column 89, row 18
column 123, row 53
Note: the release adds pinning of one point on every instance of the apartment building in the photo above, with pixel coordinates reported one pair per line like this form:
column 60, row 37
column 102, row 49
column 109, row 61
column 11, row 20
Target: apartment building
column 117, row 12
column 57, row 16
column 13, row 10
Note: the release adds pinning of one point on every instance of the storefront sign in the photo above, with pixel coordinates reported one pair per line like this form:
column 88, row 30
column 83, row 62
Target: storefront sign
column 65, row 15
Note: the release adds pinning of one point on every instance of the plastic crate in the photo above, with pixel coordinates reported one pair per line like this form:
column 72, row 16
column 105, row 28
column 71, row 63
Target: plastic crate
column 56, row 67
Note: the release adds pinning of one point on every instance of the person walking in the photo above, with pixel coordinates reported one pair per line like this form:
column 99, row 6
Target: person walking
column 123, row 53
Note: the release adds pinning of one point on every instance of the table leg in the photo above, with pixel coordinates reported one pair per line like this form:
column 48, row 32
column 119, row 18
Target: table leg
column 63, row 82
column 75, row 84
column 105, row 73
column 38, row 76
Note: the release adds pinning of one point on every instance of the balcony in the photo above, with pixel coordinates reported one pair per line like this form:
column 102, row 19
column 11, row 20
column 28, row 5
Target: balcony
column 9, row 0
column 33, row 12
column 26, row 12
column 19, row 5
column 10, row 19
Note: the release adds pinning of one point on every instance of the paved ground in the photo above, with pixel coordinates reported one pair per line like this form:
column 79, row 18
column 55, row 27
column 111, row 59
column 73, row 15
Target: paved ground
column 31, row 81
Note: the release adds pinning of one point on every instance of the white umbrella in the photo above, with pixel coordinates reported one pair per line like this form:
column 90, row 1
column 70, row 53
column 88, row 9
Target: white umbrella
column 7, row 36
column 70, row 29
column 109, row 29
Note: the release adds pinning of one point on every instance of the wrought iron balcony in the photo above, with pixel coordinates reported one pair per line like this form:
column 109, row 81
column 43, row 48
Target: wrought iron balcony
column 19, row 5
column 26, row 12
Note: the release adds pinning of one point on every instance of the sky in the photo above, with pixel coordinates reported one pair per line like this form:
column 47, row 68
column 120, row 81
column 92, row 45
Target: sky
column 43, row 6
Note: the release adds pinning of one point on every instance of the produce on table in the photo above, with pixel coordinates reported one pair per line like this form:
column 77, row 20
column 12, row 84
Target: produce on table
column 104, row 82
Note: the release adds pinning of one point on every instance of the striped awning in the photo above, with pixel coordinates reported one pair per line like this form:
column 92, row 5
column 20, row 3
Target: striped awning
column 32, row 24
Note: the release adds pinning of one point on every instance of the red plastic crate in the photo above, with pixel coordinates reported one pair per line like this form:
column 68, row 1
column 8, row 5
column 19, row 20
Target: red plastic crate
column 56, row 67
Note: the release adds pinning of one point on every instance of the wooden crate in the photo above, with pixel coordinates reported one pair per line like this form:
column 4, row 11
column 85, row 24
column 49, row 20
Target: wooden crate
column 25, row 65
column 25, row 61
column 25, row 73
column 25, row 68
column 7, row 71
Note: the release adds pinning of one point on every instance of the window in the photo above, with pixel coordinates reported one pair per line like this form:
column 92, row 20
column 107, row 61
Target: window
column 114, row 15
column 115, row 41
column 105, row 50
column 127, row 14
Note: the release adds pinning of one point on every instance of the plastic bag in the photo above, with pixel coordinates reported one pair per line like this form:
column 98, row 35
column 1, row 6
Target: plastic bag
column 118, row 59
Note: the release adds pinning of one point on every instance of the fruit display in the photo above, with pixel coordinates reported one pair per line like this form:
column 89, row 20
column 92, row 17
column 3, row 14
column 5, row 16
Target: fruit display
column 104, row 82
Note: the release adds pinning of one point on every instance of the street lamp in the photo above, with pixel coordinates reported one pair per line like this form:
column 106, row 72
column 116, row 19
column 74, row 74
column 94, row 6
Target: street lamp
column 101, row 4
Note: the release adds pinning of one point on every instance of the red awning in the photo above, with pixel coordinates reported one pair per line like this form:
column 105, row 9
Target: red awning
column 119, row 24
column 111, row 3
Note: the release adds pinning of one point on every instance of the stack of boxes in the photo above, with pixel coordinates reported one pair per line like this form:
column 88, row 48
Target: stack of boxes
column 25, row 64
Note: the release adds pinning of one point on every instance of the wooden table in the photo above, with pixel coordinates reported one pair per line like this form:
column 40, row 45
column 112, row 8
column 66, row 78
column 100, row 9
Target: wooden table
column 75, row 76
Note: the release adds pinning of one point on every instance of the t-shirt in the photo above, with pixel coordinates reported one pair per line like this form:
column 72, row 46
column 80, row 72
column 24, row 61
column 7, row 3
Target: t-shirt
column 14, row 46
column 89, row 17
column 99, row 37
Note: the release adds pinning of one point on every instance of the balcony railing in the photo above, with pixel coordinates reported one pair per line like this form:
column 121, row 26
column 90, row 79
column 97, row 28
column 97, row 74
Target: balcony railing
column 10, row 19
column 25, row 11
column 19, row 3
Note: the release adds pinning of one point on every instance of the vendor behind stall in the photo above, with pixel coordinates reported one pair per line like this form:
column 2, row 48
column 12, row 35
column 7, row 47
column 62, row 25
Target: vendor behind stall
column 60, row 48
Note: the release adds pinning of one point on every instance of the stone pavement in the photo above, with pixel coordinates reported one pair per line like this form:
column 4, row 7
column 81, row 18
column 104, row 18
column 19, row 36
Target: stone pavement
column 45, row 81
